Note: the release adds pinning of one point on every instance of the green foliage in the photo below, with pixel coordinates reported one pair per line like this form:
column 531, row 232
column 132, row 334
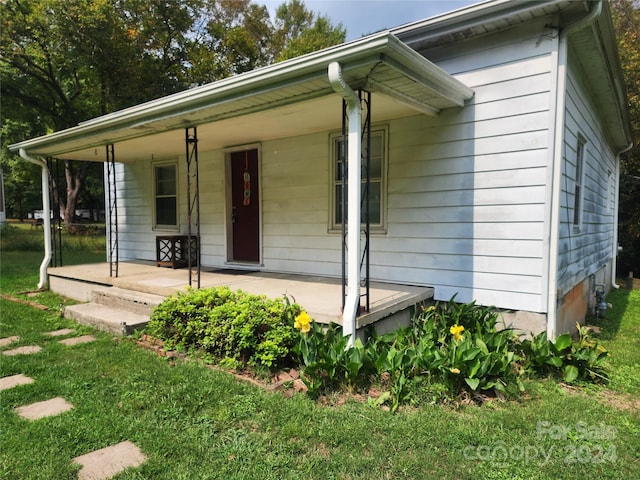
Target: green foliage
column 328, row 362
column 23, row 237
column 448, row 350
column 299, row 31
column 626, row 20
column 235, row 327
column 583, row 360
column 478, row 359
column 65, row 61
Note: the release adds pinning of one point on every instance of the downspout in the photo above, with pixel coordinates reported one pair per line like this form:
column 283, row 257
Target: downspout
column 46, row 208
column 561, row 90
column 614, row 261
column 354, row 162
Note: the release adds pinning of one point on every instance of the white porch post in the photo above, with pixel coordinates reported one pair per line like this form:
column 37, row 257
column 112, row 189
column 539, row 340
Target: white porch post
column 354, row 160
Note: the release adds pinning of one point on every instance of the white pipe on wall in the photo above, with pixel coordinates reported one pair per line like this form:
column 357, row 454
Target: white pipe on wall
column 46, row 208
column 354, row 161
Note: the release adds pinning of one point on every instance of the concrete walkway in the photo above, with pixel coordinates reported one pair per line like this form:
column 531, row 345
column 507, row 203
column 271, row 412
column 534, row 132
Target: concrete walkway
column 100, row 464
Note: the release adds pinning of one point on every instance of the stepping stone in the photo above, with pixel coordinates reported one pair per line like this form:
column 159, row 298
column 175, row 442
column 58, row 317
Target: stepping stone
column 48, row 408
column 77, row 340
column 22, row 350
column 8, row 340
column 59, row 333
column 105, row 463
column 14, row 380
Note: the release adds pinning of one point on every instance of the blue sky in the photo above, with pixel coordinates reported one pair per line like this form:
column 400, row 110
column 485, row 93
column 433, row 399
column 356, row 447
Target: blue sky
column 361, row 17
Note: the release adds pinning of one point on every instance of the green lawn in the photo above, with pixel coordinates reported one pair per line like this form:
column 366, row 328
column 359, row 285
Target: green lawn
column 195, row 423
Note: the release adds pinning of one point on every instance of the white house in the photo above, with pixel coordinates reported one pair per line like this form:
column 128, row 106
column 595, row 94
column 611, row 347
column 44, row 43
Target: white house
column 495, row 134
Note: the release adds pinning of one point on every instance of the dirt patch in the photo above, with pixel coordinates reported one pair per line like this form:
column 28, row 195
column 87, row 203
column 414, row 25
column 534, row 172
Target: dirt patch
column 617, row 401
column 25, row 302
column 620, row 401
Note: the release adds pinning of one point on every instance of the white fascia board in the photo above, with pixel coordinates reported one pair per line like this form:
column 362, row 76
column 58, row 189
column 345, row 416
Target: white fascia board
column 482, row 13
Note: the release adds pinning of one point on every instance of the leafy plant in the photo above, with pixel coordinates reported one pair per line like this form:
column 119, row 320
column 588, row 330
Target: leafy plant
column 457, row 346
column 235, row 327
column 580, row 360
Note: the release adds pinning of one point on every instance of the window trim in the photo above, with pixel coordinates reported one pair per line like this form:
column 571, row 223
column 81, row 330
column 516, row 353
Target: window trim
column 380, row 228
column 578, row 184
column 155, row 225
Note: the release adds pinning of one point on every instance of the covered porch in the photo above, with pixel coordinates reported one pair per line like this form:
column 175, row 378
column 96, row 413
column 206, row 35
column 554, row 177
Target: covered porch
column 390, row 305
column 276, row 123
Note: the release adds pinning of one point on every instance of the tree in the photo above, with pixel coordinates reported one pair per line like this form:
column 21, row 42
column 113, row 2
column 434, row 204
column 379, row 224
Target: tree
column 626, row 16
column 299, row 31
column 65, row 61
column 232, row 37
column 21, row 180
column 70, row 60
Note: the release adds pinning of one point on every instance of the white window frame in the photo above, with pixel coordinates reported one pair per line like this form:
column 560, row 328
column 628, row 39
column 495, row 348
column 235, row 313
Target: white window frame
column 578, row 189
column 334, row 138
column 155, row 196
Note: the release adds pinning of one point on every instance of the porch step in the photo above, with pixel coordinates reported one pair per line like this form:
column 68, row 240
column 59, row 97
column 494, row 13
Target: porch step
column 109, row 319
column 133, row 301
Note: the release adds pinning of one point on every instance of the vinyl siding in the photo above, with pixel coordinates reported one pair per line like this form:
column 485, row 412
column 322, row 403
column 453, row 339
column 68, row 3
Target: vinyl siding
column 584, row 252
column 465, row 190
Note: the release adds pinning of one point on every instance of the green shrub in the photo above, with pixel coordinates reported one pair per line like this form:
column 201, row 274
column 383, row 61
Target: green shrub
column 576, row 361
column 448, row 350
column 235, row 327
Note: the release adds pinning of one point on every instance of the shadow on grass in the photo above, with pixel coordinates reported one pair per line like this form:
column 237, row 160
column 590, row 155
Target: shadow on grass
column 619, row 300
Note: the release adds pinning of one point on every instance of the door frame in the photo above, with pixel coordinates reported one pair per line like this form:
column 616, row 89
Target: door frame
column 229, row 260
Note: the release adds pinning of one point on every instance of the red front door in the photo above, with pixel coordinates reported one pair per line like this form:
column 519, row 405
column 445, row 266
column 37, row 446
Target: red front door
column 245, row 206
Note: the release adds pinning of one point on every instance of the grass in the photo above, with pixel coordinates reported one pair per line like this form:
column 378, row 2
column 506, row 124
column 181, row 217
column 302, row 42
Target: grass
column 196, row 423
column 22, row 251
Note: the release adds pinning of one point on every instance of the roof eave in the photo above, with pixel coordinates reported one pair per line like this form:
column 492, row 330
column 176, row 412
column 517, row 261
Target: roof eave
column 379, row 47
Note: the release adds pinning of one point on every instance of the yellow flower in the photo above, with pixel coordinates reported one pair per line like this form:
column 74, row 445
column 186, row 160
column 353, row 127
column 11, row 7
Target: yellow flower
column 303, row 322
column 455, row 370
column 305, row 328
column 456, row 331
column 431, row 308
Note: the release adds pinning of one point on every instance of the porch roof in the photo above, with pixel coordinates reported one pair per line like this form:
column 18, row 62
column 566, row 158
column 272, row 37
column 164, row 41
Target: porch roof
column 291, row 97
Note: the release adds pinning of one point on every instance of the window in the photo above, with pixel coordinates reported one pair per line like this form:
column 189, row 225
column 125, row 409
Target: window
column 578, row 193
column 166, row 198
column 376, row 184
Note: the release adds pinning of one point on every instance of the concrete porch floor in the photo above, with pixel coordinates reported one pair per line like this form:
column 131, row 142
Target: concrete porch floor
column 319, row 296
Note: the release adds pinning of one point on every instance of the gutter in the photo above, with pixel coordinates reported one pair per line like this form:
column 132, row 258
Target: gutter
column 354, row 161
column 46, row 208
column 560, row 103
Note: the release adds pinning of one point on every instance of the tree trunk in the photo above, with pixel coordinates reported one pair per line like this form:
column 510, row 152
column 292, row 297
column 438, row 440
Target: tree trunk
column 75, row 178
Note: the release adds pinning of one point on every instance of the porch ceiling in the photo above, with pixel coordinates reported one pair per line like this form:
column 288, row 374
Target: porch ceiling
column 284, row 99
